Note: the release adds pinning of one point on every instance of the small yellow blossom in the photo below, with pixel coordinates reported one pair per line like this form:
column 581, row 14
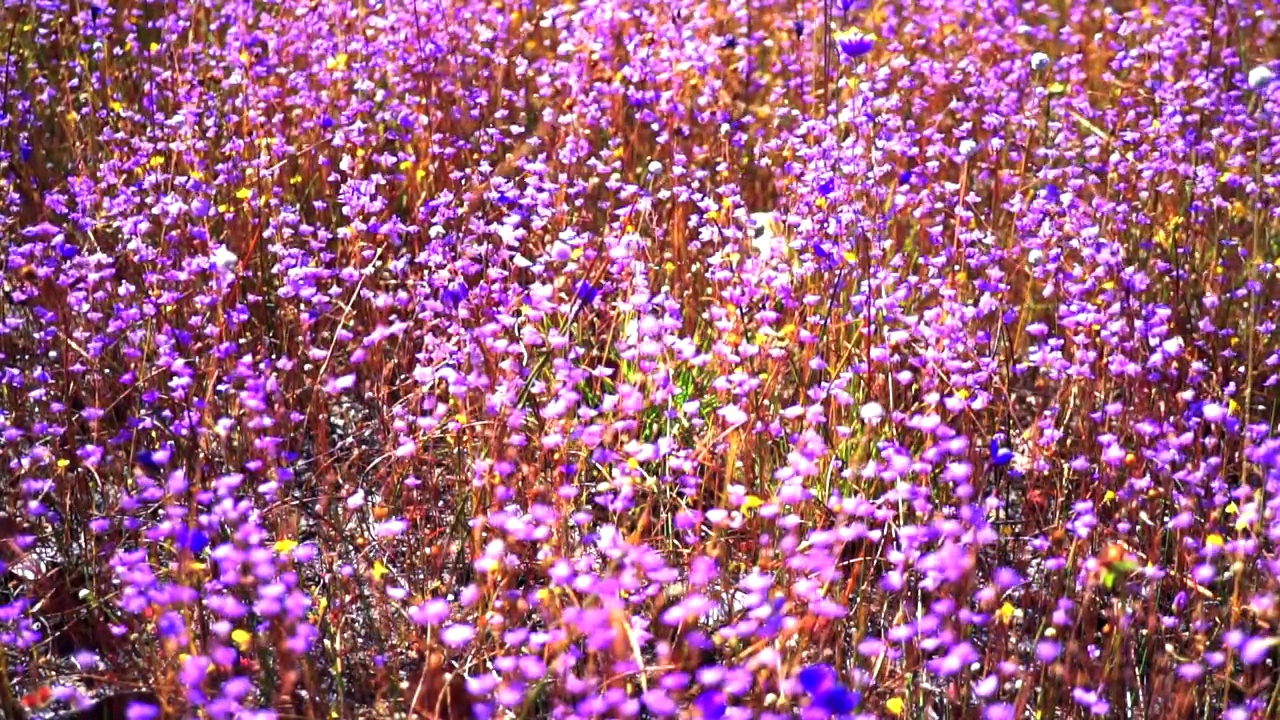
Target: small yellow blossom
column 337, row 62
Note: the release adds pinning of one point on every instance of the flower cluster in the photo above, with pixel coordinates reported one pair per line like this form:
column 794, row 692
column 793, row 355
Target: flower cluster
column 582, row 359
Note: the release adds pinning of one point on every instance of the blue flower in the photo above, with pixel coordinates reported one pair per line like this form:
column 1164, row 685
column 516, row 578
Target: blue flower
column 823, row 685
column 839, row 700
column 191, row 538
column 586, row 292
column 454, row 294
column 1000, row 455
column 148, row 463
column 818, row 678
column 710, row 705
column 854, row 43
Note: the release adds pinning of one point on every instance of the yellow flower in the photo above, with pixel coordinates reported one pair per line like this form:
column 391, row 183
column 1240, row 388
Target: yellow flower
column 379, row 570
column 285, row 546
column 895, row 705
column 241, row 638
column 1007, row 612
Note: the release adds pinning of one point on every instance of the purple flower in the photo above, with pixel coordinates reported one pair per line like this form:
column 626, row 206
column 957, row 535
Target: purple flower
column 141, row 711
column 191, row 538
column 1047, row 650
column 456, row 636
column 710, row 705
column 816, row 678
column 659, row 703
column 390, row 528
column 838, row 700
column 340, row 385
column 854, row 43
column 1255, row 649
column 454, row 294
column 822, row 684
column 1213, row 412
column 999, row 711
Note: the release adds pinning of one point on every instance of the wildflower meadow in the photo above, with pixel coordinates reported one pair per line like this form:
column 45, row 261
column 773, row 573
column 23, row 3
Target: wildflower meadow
column 570, row 359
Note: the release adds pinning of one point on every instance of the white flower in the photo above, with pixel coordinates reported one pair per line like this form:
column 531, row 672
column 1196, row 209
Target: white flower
column 1039, row 61
column 871, row 412
column 768, row 238
column 733, row 415
column 967, row 148
column 226, row 260
column 1261, row 77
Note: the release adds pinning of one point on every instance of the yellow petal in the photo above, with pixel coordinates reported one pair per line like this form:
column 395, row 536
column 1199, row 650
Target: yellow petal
column 1006, row 612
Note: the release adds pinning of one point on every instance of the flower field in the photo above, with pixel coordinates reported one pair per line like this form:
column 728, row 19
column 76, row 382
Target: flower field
column 640, row 359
